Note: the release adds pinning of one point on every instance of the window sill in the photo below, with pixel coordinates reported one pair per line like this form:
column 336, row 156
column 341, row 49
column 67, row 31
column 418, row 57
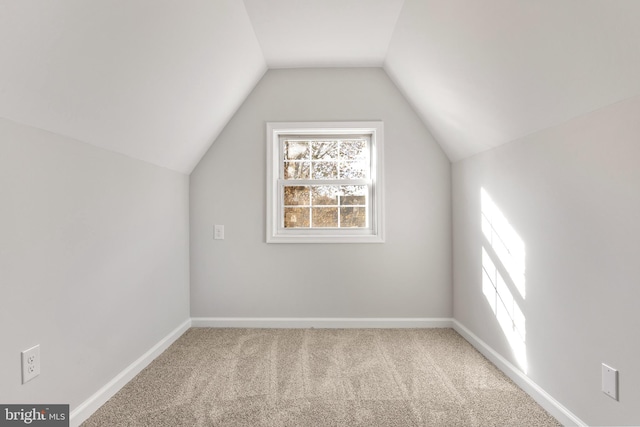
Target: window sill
column 325, row 239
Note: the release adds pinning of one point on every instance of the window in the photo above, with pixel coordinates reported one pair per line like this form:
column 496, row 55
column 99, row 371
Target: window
column 324, row 182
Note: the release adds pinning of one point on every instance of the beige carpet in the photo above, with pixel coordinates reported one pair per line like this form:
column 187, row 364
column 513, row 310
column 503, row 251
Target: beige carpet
column 321, row 377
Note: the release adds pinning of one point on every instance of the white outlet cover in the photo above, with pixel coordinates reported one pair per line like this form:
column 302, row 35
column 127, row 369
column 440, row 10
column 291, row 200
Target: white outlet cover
column 218, row 232
column 30, row 363
column 610, row 381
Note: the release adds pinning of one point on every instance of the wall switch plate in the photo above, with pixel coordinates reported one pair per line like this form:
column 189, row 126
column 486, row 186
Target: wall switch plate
column 218, row 232
column 610, row 381
column 30, row 363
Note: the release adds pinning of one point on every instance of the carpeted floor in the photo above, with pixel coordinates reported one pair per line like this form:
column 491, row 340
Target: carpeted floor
column 321, row 377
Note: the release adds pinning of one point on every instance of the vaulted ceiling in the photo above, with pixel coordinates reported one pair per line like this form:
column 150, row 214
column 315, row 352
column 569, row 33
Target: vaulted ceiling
column 158, row 80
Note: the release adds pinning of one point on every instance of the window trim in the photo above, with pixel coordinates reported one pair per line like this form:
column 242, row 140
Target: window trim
column 276, row 233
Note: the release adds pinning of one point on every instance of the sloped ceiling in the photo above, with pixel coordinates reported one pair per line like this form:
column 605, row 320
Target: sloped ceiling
column 483, row 73
column 158, row 80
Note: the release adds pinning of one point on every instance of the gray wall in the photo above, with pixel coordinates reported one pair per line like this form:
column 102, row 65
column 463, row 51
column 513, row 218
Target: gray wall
column 572, row 194
column 242, row 276
column 93, row 262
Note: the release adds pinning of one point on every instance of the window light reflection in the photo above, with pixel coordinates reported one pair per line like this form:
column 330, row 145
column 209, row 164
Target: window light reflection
column 505, row 253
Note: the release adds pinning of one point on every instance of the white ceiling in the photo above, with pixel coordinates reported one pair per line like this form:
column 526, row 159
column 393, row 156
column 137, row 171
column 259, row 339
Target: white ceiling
column 324, row 33
column 158, row 80
column 483, row 73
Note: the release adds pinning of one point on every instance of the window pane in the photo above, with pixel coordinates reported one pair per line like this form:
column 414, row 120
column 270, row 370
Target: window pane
column 325, row 217
column 324, row 150
column 296, row 170
column 296, row 150
column 354, row 150
column 296, row 217
column 353, row 195
column 353, row 217
column 324, row 195
column 354, row 170
column 325, row 170
column 296, row 196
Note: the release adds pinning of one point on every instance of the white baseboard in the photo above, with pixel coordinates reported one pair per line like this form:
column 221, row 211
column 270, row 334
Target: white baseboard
column 544, row 399
column 89, row 406
column 320, row 322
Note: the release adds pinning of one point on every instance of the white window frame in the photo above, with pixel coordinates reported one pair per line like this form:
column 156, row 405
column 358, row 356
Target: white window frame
column 276, row 233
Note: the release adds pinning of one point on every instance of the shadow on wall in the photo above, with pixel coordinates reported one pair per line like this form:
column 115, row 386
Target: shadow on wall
column 503, row 276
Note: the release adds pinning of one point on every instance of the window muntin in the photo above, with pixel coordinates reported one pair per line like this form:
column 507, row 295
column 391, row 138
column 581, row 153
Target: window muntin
column 325, row 206
column 325, row 182
column 315, row 158
column 339, row 169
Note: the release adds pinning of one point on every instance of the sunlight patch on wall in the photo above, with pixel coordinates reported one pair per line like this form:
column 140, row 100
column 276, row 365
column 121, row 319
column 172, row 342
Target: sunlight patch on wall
column 505, row 308
column 503, row 271
column 505, row 242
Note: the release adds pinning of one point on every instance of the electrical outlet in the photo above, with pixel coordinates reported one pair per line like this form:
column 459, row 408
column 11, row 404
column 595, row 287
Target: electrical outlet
column 30, row 363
